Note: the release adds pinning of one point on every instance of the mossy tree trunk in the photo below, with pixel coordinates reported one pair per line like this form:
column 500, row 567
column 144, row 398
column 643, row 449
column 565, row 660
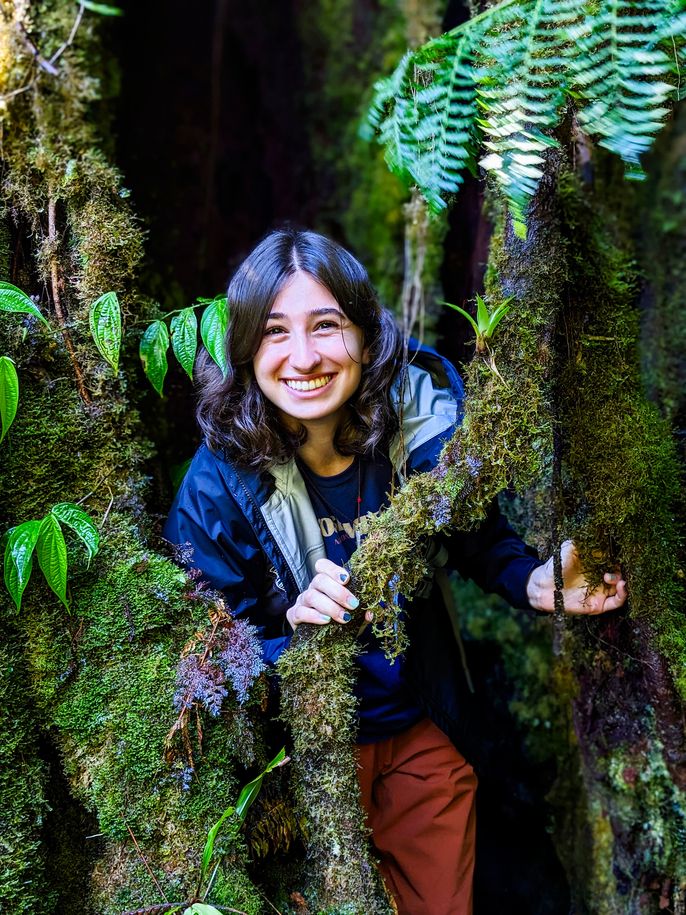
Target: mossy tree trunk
column 95, row 681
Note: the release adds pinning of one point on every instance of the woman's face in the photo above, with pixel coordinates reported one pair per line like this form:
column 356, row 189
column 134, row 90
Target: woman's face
column 309, row 363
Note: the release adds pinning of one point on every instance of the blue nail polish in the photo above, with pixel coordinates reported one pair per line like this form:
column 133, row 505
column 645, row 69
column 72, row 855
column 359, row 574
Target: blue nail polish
column 346, row 617
column 343, row 576
column 354, row 603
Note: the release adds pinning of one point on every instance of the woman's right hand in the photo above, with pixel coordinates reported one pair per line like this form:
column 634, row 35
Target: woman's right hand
column 326, row 599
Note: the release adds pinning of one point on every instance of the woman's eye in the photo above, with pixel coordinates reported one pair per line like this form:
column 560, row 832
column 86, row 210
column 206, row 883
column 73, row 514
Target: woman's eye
column 327, row 325
column 273, row 331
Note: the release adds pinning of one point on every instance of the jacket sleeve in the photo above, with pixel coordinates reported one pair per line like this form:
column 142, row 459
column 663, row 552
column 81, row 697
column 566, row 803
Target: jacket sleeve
column 224, row 548
column 495, row 557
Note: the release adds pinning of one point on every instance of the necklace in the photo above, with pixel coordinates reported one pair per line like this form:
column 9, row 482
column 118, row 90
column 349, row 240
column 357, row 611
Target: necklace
column 311, row 481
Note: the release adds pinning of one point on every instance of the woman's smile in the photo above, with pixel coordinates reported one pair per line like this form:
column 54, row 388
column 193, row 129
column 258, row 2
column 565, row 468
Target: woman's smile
column 309, row 385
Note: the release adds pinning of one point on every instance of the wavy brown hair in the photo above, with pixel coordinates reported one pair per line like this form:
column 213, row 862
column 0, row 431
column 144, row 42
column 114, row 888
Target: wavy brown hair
column 233, row 413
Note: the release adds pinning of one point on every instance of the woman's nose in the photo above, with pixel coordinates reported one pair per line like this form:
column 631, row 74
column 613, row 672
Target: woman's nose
column 304, row 355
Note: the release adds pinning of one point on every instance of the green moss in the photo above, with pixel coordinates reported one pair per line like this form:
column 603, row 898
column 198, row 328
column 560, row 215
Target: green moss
column 232, row 888
column 622, row 471
column 317, row 676
column 22, row 791
column 71, row 452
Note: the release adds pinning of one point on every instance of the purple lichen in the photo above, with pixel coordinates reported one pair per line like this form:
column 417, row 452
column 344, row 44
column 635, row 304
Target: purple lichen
column 199, row 682
column 241, row 658
column 235, row 658
column 442, row 512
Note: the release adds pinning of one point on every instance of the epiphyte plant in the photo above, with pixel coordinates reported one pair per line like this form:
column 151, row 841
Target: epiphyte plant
column 486, row 321
column 236, row 817
column 45, row 537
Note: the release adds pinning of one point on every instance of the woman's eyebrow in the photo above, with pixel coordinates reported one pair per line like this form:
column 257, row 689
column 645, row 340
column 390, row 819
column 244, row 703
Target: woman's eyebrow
column 315, row 313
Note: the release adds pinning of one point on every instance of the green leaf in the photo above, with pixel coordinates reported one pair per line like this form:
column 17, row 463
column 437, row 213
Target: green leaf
column 251, row 790
column 52, row 556
column 21, row 541
column 153, row 353
column 81, row 523
column 481, row 315
column 14, row 300
column 105, row 323
column 104, row 9
column 211, row 838
column 9, row 394
column 245, row 799
column 465, row 314
column 184, row 328
column 497, row 316
column 213, row 324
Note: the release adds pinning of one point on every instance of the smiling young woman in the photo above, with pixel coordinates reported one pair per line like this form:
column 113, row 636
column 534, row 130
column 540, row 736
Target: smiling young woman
column 309, row 365
column 302, row 439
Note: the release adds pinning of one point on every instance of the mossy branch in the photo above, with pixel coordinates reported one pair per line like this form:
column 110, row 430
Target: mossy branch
column 317, row 701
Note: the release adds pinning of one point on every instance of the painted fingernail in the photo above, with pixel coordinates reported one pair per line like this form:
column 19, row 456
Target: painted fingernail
column 343, row 576
column 612, row 577
column 324, row 618
column 346, row 617
column 353, row 603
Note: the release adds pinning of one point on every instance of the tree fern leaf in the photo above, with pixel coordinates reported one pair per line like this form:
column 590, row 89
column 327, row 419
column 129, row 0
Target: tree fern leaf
column 393, row 115
column 447, row 108
column 522, row 94
column 506, row 77
column 619, row 72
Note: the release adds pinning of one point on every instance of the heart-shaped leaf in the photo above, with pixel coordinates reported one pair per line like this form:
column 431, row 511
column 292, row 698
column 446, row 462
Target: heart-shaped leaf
column 81, row 523
column 153, row 353
column 21, row 541
column 184, row 328
column 14, row 300
column 215, row 320
column 9, row 394
column 105, row 323
column 52, row 556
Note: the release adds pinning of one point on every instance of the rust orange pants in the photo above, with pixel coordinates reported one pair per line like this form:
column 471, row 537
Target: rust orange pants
column 418, row 793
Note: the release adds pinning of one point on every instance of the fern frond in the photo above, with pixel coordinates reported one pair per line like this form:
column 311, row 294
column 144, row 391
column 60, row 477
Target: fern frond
column 393, row 114
column 507, row 75
column 673, row 39
column 621, row 73
column 447, row 110
column 522, row 93
column 425, row 115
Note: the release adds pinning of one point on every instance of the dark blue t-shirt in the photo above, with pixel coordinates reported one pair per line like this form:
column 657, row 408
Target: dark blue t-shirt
column 386, row 705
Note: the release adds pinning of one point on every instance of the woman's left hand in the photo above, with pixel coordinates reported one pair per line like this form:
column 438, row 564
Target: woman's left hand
column 578, row 596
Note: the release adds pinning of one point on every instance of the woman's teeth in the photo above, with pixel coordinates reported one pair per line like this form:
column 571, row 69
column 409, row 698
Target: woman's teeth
column 309, row 385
